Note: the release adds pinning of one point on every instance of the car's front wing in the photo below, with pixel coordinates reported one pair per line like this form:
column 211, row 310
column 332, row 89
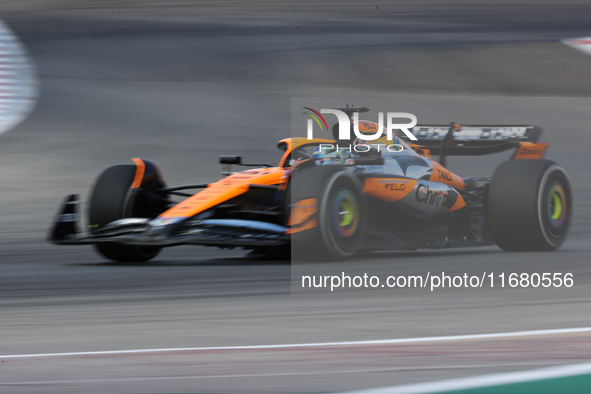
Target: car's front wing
column 146, row 232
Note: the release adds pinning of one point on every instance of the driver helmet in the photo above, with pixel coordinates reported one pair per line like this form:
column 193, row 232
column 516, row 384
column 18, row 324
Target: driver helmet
column 364, row 148
column 329, row 156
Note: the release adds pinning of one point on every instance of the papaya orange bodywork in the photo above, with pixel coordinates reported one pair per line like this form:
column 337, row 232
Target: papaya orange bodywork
column 301, row 217
column 306, row 226
column 223, row 190
column 388, row 189
column 529, row 150
column 302, row 210
column 139, row 172
column 460, row 203
column 442, row 175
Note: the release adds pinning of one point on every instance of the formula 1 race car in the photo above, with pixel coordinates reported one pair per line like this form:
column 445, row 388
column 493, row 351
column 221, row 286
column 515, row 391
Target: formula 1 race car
column 337, row 198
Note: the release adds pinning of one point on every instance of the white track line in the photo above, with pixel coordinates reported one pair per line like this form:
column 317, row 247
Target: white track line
column 321, row 344
column 482, row 381
column 279, row 374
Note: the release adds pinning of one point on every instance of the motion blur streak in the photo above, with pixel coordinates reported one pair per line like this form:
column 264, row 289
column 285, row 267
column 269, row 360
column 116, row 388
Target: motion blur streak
column 327, row 344
column 181, row 82
column 331, row 361
column 486, row 381
column 18, row 81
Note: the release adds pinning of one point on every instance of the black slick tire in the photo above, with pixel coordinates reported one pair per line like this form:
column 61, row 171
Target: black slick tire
column 342, row 216
column 112, row 199
column 529, row 205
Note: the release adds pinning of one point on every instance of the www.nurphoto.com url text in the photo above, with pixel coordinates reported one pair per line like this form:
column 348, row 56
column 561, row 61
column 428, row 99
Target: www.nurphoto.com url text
column 441, row 281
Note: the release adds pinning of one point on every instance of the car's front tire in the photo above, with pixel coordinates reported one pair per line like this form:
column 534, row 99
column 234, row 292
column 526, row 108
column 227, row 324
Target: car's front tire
column 342, row 215
column 111, row 199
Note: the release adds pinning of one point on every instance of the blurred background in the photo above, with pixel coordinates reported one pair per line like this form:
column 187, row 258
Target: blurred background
column 181, row 82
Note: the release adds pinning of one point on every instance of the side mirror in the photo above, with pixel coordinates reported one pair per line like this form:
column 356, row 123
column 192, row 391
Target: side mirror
column 230, row 159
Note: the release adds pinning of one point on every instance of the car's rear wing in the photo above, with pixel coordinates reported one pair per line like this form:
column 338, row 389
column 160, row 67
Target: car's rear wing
column 474, row 140
column 476, row 135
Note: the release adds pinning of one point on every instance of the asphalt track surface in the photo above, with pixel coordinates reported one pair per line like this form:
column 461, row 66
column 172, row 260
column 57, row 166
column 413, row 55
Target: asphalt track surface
column 181, row 84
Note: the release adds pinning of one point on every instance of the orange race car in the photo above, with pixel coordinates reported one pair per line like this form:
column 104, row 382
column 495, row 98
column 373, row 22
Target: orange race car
column 335, row 198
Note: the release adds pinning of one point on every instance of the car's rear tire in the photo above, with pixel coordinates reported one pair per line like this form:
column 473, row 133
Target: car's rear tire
column 529, row 205
column 111, row 199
